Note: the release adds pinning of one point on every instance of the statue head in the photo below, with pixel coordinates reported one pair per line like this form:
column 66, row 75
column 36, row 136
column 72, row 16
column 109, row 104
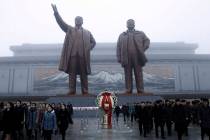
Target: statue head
column 130, row 24
column 78, row 21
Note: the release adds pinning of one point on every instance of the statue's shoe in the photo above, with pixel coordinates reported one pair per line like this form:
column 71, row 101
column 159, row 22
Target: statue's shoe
column 85, row 93
column 71, row 93
column 127, row 93
column 140, row 92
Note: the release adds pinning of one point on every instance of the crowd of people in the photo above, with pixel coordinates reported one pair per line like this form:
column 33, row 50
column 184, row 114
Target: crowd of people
column 19, row 121
column 162, row 115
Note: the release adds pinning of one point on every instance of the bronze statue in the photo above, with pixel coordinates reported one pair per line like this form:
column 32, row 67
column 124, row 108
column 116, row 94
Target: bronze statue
column 75, row 57
column 131, row 46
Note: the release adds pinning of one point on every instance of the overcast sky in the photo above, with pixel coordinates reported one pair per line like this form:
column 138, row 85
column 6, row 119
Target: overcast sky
column 32, row 21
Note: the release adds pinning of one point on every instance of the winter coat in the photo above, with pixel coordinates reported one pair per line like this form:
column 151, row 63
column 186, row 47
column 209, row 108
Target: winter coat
column 31, row 119
column 63, row 120
column 1, row 119
column 180, row 118
column 49, row 121
column 159, row 114
column 19, row 117
column 8, row 121
column 204, row 117
column 117, row 110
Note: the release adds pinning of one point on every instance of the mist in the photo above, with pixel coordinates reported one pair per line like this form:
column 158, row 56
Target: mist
column 32, row 21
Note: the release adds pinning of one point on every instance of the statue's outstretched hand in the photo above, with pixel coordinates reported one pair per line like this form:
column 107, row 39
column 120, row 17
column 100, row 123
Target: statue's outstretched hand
column 59, row 20
column 54, row 8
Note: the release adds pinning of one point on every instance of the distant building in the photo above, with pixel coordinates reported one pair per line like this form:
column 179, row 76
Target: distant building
column 102, row 49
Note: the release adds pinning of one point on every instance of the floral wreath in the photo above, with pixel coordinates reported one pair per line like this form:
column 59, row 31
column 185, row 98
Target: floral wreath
column 105, row 94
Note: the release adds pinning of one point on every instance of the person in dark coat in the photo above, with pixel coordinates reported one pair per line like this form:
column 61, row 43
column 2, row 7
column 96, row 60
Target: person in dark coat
column 132, row 111
column 204, row 119
column 31, row 122
column 169, row 118
column 189, row 116
column 1, row 116
column 125, row 111
column 136, row 111
column 150, row 115
column 159, row 118
column 117, row 111
column 143, row 119
column 70, row 112
column 19, row 120
column 180, row 118
column 8, row 122
column 63, row 121
column 40, row 114
column 140, row 117
column 131, row 46
column 75, row 57
column 195, row 111
column 145, row 116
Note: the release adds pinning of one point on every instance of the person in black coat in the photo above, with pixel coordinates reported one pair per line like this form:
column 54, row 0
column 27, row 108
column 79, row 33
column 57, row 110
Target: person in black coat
column 19, row 120
column 150, row 109
column 140, row 117
column 117, row 112
column 1, row 115
column 188, row 115
column 124, row 112
column 63, row 120
column 159, row 118
column 145, row 119
column 70, row 112
column 204, row 119
column 195, row 111
column 8, row 121
column 169, row 111
column 180, row 118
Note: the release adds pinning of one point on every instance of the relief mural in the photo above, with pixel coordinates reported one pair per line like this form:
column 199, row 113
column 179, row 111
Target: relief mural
column 110, row 77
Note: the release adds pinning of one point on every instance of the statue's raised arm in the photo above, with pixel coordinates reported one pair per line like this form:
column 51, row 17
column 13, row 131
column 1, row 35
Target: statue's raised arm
column 59, row 20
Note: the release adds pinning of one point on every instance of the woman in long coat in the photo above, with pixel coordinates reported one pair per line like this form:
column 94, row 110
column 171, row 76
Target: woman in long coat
column 8, row 122
column 63, row 121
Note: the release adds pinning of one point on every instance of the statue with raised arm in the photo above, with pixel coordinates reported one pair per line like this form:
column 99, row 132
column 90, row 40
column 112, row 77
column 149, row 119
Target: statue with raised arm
column 75, row 56
column 131, row 46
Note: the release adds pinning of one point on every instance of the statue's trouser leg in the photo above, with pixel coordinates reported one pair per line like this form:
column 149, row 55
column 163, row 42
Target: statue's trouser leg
column 72, row 82
column 137, row 72
column 128, row 78
column 73, row 75
column 139, row 78
column 84, row 84
column 83, row 76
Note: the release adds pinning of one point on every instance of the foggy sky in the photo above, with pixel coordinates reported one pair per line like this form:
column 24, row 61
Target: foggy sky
column 32, row 21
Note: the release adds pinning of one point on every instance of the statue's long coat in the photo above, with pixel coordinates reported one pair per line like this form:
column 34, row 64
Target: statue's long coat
column 67, row 48
column 141, row 43
column 88, row 43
